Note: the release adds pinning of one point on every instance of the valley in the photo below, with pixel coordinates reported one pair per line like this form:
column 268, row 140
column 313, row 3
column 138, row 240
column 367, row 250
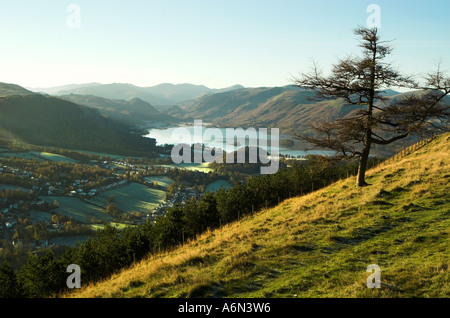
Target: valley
column 122, row 173
column 83, row 166
column 53, row 197
column 224, row 157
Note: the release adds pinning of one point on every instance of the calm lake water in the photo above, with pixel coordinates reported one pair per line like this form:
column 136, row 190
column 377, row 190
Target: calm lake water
column 218, row 139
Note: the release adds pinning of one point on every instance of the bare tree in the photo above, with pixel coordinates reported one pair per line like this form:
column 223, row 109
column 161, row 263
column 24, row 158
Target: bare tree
column 363, row 81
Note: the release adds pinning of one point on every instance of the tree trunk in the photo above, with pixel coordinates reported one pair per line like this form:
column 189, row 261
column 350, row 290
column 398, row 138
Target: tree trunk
column 363, row 159
column 360, row 180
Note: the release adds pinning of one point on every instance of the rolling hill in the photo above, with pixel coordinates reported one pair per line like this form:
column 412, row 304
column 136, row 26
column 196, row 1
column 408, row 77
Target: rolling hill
column 7, row 89
column 50, row 121
column 283, row 107
column 318, row 245
column 132, row 112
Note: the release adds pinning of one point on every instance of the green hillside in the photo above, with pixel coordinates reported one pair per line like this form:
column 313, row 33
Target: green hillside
column 318, row 245
column 13, row 89
column 132, row 112
column 50, row 121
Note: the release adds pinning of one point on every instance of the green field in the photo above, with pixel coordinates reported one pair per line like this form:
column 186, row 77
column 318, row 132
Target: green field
column 216, row 185
column 132, row 198
column 202, row 167
column 13, row 187
column 54, row 157
column 77, row 209
column 40, row 156
column 101, row 154
column 163, row 181
column 117, row 225
column 22, row 155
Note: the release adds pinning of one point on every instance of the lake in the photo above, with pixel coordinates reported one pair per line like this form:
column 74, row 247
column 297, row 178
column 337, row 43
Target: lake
column 172, row 136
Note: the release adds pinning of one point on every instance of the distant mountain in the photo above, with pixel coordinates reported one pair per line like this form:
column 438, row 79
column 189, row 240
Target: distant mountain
column 228, row 89
column 132, row 112
column 159, row 95
column 179, row 93
column 283, row 107
column 174, row 94
column 50, row 121
column 13, row 89
column 55, row 90
column 175, row 111
column 114, row 91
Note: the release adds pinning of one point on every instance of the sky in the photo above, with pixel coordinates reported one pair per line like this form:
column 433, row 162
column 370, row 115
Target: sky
column 216, row 43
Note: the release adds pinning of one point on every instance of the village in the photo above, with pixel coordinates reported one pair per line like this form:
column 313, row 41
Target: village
column 35, row 202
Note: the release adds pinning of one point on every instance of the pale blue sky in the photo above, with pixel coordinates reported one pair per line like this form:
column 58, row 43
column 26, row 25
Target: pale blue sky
column 217, row 43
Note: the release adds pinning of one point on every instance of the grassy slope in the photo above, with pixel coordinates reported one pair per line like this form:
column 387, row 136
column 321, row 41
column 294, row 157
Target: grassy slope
column 53, row 122
column 7, row 89
column 318, row 245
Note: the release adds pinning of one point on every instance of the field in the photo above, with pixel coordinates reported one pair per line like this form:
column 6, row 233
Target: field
column 132, row 198
column 79, row 210
column 40, row 156
column 117, row 225
column 101, row 154
column 162, row 181
column 216, row 185
column 54, row 157
column 202, row 167
column 13, row 187
column 22, row 155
